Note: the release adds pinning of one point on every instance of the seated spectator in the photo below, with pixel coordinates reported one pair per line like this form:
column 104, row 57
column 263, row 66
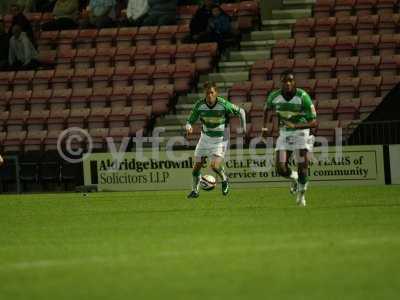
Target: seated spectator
column 22, row 54
column 136, row 12
column 20, row 20
column 199, row 22
column 219, row 25
column 161, row 12
column 102, row 14
column 3, row 46
column 45, row 5
column 65, row 13
column 26, row 5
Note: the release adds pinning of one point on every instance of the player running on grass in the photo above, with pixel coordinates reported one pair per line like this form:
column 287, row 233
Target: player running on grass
column 296, row 115
column 213, row 112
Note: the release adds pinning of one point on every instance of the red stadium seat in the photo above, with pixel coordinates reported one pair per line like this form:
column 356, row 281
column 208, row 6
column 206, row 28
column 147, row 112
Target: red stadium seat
column 348, row 109
column 99, row 136
column 280, row 66
column 77, row 117
column 368, row 105
column 84, row 58
column 62, row 78
column 390, row 65
column 120, row 96
column 368, row 65
column 165, row 54
column 163, row 74
column 98, row 117
column 102, row 77
column 345, row 45
column 65, row 58
column 106, row 37
column 345, row 25
column 82, row 78
column 346, row 66
column 144, row 55
column 86, row 38
column 13, row 141
column 143, row 75
column 324, row 47
column 119, row 116
column 367, row 24
column 183, row 77
column 67, row 39
column 39, row 99
column 34, row 140
column 47, row 40
column 368, row 45
column 19, row 100
column 37, row 120
column 23, row 80
column 261, row 70
column 104, row 57
column 60, row 99
column 124, row 57
column 388, row 23
column 344, row 7
column 389, row 44
column 5, row 80
column 369, row 86
column 324, row 27
column 205, row 55
column 42, row 79
column 327, row 129
column 386, row 6
column 185, row 53
column 325, row 89
column 146, row 35
column 141, row 95
column 80, row 98
column 347, row 87
column 166, row 35
column 304, row 47
column 239, row 92
column 100, row 97
column 283, row 49
column 323, row 8
column 364, row 7
column 303, row 27
column 126, row 37
column 304, row 68
column 122, row 76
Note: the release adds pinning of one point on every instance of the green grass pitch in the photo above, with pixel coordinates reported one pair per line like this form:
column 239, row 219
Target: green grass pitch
column 253, row 244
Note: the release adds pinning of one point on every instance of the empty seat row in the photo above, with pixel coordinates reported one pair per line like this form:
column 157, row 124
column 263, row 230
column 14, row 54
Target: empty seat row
column 339, row 26
column 320, row 89
column 203, row 55
column 181, row 76
column 109, row 37
column 332, row 67
column 324, row 8
column 46, row 140
column 59, row 118
column 386, row 44
column 138, row 96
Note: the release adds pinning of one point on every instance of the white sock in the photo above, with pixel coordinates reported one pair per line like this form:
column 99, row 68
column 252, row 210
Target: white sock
column 302, row 187
column 294, row 176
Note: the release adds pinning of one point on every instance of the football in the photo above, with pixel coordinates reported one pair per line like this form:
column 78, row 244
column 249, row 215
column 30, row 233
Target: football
column 207, row 182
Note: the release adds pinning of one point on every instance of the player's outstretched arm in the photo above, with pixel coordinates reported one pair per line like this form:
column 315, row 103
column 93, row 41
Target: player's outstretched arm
column 242, row 116
column 193, row 117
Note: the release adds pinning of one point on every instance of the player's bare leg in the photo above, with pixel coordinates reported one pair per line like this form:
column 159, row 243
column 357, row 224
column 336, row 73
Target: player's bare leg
column 302, row 166
column 218, row 168
column 282, row 168
column 196, row 174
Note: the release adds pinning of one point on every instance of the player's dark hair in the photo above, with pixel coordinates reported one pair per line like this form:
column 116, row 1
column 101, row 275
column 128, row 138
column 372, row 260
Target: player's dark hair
column 286, row 73
column 210, row 84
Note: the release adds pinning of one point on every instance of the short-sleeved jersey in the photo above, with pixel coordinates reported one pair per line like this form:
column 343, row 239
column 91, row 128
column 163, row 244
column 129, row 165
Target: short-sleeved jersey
column 298, row 110
column 214, row 118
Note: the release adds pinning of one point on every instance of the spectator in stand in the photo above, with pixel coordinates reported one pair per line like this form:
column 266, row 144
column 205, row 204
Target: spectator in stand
column 20, row 20
column 161, row 12
column 22, row 54
column 102, row 14
column 199, row 23
column 219, row 26
column 65, row 13
column 136, row 12
column 3, row 46
column 45, row 5
column 26, row 5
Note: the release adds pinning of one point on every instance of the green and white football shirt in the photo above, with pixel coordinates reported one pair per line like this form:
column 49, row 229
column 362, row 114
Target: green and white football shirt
column 213, row 118
column 298, row 110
